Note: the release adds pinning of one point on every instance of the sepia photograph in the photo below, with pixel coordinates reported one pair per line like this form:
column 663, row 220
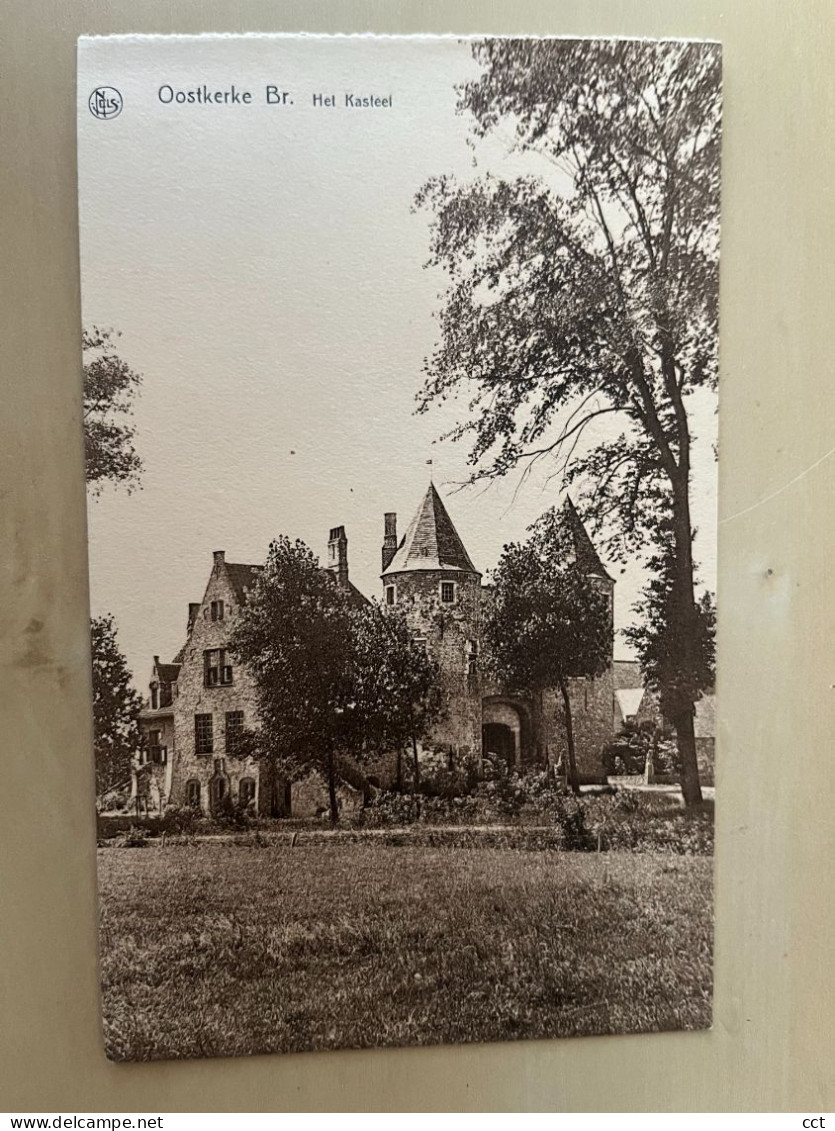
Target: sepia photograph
column 400, row 361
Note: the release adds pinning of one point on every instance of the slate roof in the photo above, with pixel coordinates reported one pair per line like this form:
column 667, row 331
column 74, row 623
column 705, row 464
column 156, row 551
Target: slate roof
column 431, row 541
column 168, row 672
column 587, row 557
column 242, row 577
column 627, row 674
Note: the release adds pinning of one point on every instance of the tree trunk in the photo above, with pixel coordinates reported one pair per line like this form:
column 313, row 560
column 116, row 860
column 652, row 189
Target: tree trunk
column 334, row 805
column 573, row 779
column 416, row 776
column 691, row 789
column 683, row 635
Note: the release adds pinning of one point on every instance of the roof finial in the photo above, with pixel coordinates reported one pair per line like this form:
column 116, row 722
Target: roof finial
column 430, row 466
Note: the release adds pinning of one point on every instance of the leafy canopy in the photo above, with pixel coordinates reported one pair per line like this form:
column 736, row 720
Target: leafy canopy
column 110, row 389
column 395, row 680
column 116, row 706
column 294, row 634
column 654, row 637
column 547, row 620
column 586, row 288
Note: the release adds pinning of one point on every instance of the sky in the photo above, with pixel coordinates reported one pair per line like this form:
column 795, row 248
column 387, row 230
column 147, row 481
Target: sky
column 266, row 271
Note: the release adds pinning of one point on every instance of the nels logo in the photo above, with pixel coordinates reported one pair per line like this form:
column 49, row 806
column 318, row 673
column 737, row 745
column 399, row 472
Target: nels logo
column 105, row 102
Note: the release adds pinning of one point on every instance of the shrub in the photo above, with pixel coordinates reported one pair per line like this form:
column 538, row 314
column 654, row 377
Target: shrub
column 440, row 778
column 232, row 815
column 180, row 819
column 627, row 753
column 649, row 822
column 134, row 837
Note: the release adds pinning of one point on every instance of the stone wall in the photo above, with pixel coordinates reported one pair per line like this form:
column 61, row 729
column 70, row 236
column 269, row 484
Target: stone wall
column 195, row 698
column 449, row 629
column 155, row 780
column 593, row 719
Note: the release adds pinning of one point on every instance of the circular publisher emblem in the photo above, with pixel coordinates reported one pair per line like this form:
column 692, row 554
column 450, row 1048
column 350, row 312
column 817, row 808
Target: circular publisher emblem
column 105, row 102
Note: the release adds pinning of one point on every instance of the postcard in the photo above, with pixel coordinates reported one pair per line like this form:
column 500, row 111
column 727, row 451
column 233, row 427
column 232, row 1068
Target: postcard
column 400, row 395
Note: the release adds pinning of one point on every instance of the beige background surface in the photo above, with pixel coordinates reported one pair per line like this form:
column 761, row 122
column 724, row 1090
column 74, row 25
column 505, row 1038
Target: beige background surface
column 771, row 1045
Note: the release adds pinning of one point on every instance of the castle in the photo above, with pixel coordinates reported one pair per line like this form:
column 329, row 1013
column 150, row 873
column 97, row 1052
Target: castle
column 200, row 703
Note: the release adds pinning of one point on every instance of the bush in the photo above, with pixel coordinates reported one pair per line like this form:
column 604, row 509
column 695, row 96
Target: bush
column 180, row 820
column 439, row 779
column 134, row 837
column 232, row 815
column 649, row 822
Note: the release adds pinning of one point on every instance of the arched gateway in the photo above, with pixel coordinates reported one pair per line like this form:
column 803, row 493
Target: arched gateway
column 504, row 729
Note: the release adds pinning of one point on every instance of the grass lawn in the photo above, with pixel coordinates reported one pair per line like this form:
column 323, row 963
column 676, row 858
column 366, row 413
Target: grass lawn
column 219, row 949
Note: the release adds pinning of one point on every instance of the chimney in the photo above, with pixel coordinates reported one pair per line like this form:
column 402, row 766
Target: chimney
column 219, row 556
column 193, row 610
column 389, row 539
column 338, row 554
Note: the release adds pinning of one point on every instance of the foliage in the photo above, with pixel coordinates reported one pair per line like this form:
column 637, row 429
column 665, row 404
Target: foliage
column 116, row 706
column 110, row 390
column 547, row 945
column 134, row 837
column 233, row 815
column 622, row 820
column 593, row 283
column 294, row 634
column 547, row 620
column 632, row 821
column 627, row 753
column 589, row 289
column 180, row 819
column 394, row 681
column 677, row 685
column 440, row 778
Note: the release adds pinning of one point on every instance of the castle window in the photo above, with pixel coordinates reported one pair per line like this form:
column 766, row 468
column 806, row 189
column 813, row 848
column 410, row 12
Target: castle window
column 217, row 610
column 203, row 734
column 193, row 793
column 234, row 727
column 419, row 642
column 246, row 791
column 157, row 753
column 391, row 594
column 216, row 671
column 472, row 657
column 165, row 695
column 447, row 592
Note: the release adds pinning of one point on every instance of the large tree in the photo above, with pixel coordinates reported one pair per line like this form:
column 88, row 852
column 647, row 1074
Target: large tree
column 294, row 634
column 547, row 621
column 116, row 707
column 585, row 290
column 110, row 390
column 395, row 686
column 655, row 643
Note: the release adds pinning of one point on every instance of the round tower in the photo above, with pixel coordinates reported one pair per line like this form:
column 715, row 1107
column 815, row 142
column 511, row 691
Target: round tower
column 430, row 574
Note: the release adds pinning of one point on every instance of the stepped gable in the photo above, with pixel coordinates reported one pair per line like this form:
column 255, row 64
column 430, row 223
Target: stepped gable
column 431, row 542
column 585, row 553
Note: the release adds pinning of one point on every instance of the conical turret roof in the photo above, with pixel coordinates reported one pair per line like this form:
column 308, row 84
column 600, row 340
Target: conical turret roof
column 586, row 555
column 431, row 542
